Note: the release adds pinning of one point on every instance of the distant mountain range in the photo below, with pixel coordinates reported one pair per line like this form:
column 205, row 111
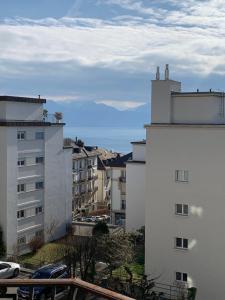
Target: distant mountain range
column 91, row 114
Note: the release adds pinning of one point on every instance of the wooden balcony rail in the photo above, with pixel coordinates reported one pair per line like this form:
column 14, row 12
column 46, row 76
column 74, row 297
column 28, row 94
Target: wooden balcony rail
column 73, row 283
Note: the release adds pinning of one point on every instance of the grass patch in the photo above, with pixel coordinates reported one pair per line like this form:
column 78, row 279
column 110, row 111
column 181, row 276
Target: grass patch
column 49, row 253
column 136, row 269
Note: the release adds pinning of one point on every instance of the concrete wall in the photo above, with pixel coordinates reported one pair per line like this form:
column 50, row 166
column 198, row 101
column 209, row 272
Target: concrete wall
column 58, row 183
column 199, row 109
column 161, row 99
column 200, row 150
column 115, row 189
column 135, row 197
column 138, row 152
column 21, row 111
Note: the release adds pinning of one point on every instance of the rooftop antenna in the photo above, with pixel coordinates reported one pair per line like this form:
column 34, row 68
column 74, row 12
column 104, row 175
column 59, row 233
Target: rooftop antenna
column 167, row 72
column 157, row 75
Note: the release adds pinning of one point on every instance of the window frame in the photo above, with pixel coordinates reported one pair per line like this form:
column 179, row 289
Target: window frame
column 19, row 162
column 20, row 134
column 184, row 241
column 182, row 213
column 181, row 176
column 182, row 276
column 23, row 238
column 39, row 158
column 21, row 214
column 39, row 183
column 39, row 135
column 19, row 190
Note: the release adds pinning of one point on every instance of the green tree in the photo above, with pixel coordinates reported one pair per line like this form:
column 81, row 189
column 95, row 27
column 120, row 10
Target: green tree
column 100, row 228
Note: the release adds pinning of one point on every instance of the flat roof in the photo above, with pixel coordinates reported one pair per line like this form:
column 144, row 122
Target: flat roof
column 27, row 123
column 212, row 93
column 22, row 99
column 139, row 142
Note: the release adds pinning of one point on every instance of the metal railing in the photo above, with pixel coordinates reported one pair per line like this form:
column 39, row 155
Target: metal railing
column 75, row 285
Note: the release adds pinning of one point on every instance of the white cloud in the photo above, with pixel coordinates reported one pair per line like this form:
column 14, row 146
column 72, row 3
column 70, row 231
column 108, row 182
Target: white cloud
column 192, row 38
column 121, row 105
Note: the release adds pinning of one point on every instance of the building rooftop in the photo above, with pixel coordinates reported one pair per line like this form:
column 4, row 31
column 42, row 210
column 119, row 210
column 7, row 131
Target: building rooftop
column 22, row 99
column 120, row 161
column 197, row 93
column 139, row 142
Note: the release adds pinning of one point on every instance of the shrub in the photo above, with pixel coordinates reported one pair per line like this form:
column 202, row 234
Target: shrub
column 36, row 243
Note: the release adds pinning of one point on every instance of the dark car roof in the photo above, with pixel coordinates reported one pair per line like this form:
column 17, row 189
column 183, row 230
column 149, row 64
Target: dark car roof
column 49, row 269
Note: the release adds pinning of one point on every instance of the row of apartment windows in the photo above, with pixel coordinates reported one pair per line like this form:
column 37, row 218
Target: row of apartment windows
column 22, row 161
column 181, row 209
column 39, row 135
column 29, row 212
column 22, row 186
column 82, row 163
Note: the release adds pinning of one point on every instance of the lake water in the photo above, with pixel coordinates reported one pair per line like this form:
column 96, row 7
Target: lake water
column 116, row 139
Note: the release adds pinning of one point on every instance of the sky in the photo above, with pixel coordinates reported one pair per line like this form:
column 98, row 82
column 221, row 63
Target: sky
column 107, row 50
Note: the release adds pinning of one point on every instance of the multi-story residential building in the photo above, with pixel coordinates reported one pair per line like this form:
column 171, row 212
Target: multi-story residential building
column 185, row 207
column 104, row 179
column 35, row 174
column 135, row 187
column 84, row 176
column 118, row 188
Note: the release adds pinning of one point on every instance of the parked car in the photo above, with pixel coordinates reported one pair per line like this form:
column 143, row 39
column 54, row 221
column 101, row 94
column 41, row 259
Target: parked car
column 9, row 269
column 51, row 271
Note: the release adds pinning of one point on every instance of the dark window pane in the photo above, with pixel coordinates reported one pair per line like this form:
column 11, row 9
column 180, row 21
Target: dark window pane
column 178, row 276
column 179, row 208
column 185, row 209
column 185, row 277
column 178, row 242
column 185, row 243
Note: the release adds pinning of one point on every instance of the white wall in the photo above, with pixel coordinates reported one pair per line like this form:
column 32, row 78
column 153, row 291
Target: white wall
column 197, row 109
column 138, row 152
column 115, row 191
column 200, row 150
column 58, row 175
column 8, row 186
column 21, row 111
column 135, row 195
column 161, row 99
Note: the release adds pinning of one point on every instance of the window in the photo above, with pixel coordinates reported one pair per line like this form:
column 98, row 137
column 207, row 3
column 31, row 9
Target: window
column 30, row 212
column 39, row 135
column 21, row 240
column 39, row 160
column 38, row 210
column 123, row 204
column 181, row 276
column 21, row 162
column 21, row 135
column 39, row 185
column 20, row 188
column 181, row 243
column 20, row 214
column 39, row 233
column 181, row 209
column 181, row 176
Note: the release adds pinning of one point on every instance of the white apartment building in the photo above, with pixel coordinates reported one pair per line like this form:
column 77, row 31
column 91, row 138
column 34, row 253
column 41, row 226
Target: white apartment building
column 118, row 189
column 135, row 187
column 84, row 177
column 185, row 184
column 35, row 174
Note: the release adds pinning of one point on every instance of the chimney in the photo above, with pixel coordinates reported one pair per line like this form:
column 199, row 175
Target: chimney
column 157, row 76
column 167, row 72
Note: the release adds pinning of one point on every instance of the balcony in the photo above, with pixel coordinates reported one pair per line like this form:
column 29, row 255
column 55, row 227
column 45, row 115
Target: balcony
column 74, row 286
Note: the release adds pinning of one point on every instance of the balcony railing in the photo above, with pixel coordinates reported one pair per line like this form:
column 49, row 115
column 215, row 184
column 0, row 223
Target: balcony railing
column 74, row 285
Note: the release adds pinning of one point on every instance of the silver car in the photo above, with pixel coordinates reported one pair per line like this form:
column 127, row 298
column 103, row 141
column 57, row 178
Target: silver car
column 9, row 269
